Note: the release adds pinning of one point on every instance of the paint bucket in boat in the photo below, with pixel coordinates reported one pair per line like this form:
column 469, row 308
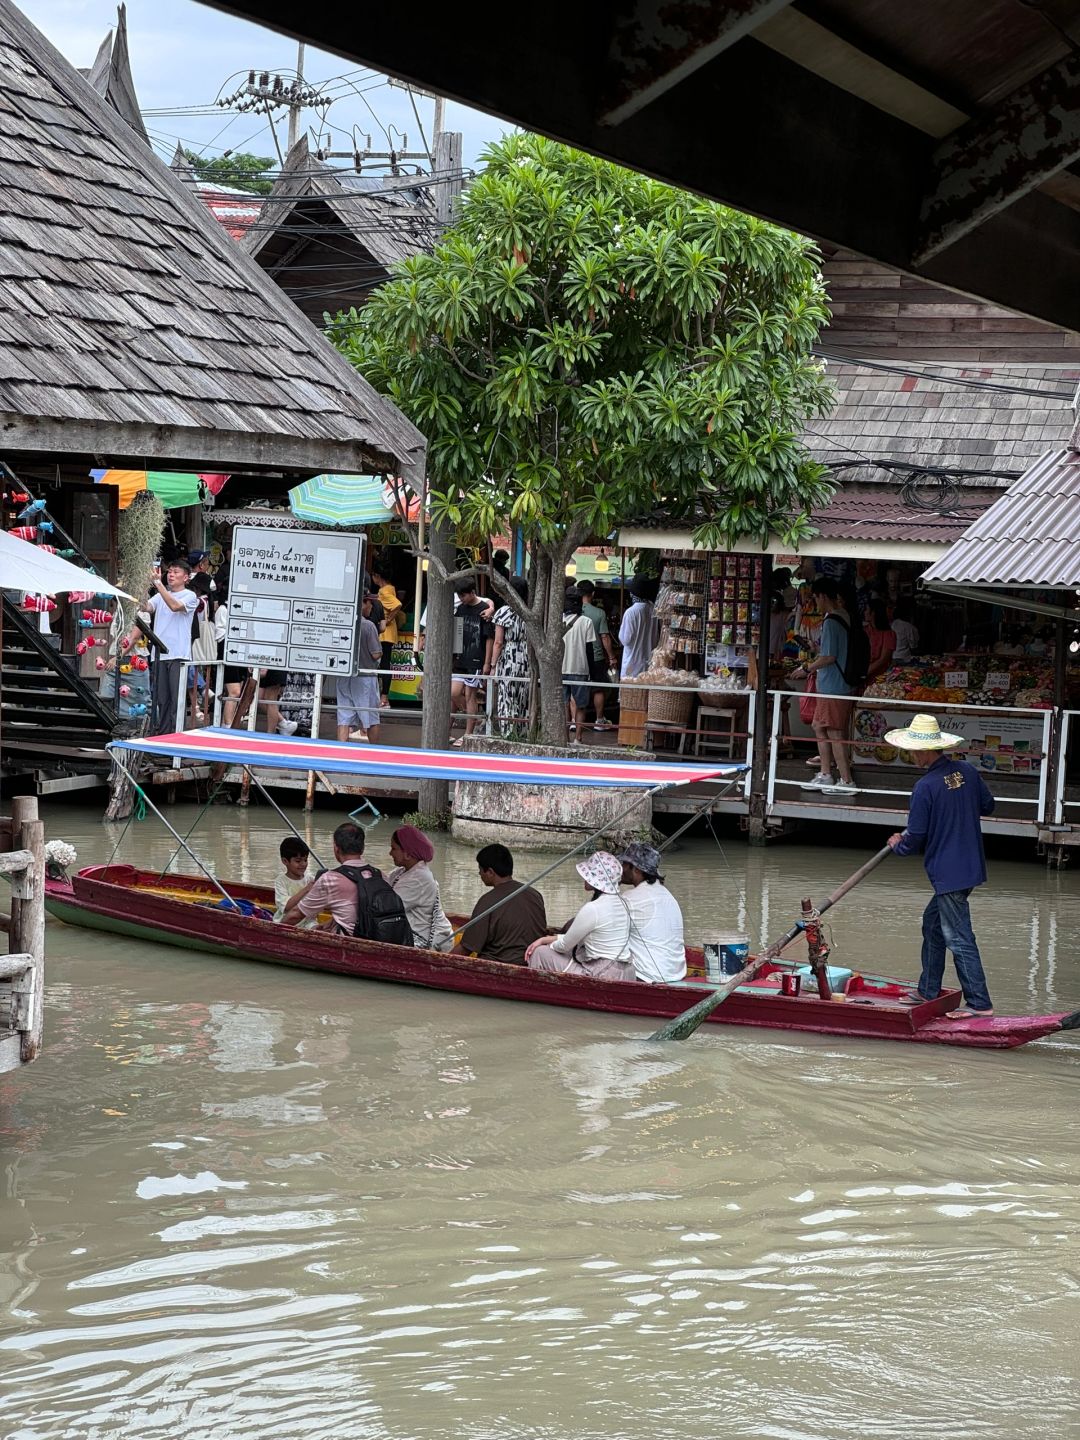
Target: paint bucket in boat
column 725, row 955
column 790, row 984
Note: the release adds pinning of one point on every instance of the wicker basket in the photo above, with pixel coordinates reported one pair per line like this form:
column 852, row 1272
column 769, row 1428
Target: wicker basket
column 718, row 699
column 670, row 707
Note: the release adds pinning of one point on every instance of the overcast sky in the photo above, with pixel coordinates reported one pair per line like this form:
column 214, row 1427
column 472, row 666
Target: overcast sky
column 184, row 55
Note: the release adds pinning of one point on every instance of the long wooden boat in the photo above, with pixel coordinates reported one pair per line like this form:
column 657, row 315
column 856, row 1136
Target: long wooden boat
column 189, row 913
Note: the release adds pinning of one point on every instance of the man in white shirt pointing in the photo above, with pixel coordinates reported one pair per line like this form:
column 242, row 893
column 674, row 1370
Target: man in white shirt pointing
column 657, row 948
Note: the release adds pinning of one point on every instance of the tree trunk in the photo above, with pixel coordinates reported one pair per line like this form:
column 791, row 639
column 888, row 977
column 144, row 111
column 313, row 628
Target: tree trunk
column 434, row 795
column 549, row 651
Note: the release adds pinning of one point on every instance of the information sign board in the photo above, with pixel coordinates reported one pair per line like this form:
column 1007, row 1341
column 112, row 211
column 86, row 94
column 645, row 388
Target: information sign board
column 294, row 600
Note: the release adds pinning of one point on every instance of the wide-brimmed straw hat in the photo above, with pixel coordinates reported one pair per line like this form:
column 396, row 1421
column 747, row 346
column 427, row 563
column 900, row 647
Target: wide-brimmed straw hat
column 602, row 872
column 924, row 733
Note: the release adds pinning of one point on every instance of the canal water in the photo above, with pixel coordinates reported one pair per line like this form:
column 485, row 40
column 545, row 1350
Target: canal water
column 240, row 1202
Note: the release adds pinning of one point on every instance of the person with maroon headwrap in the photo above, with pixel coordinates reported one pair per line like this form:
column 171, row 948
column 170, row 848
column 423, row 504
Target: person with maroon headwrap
column 411, row 852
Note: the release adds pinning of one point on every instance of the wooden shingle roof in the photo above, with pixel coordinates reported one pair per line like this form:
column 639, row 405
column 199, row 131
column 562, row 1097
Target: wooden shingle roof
column 329, row 237
column 996, row 419
column 131, row 326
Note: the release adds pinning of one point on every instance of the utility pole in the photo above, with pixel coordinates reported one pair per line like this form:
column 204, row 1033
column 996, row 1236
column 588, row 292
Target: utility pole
column 266, row 93
column 446, row 173
column 295, row 107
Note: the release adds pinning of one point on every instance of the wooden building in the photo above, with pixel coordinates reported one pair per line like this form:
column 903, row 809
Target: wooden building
column 328, row 237
column 134, row 333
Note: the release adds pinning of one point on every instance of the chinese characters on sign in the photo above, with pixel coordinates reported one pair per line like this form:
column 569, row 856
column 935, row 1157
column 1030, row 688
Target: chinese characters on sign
column 294, row 600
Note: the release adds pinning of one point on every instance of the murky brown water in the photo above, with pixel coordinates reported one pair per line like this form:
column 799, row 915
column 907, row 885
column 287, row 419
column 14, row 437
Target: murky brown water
column 243, row 1202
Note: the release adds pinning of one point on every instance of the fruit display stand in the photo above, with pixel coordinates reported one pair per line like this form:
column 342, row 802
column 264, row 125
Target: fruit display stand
column 1005, row 743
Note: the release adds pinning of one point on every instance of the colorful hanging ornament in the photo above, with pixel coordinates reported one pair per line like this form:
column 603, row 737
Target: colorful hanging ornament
column 31, row 511
column 39, row 603
column 24, row 532
column 97, row 617
column 125, row 691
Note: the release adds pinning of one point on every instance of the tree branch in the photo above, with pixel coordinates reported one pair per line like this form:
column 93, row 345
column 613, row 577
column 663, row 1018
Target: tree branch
column 472, row 374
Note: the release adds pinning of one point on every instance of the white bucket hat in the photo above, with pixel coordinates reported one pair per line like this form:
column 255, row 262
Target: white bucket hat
column 602, row 871
column 923, row 733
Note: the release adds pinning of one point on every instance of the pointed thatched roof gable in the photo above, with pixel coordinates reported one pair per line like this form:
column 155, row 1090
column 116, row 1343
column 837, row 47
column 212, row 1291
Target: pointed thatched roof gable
column 111, row 77
column 329, row 237
column 130, row 325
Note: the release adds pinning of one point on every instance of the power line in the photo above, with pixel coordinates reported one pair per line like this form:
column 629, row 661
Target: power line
column 959, row 381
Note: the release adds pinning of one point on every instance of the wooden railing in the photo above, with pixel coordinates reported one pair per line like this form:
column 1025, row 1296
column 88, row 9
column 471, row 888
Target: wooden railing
column 22, row 969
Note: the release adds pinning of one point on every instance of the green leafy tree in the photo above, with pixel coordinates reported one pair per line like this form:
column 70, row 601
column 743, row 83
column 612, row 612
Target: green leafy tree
column 585, row 347
column 239, row 172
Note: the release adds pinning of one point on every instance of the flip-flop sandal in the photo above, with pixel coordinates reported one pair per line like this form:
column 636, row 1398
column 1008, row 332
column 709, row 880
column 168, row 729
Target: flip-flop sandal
column 965, row 1013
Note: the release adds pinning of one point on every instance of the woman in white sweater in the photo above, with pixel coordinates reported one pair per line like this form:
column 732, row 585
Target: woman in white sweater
column 417, row 888
column 597, row 944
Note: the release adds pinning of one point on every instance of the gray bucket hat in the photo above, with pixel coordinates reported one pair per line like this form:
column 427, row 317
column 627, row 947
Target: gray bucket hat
column 645, row 858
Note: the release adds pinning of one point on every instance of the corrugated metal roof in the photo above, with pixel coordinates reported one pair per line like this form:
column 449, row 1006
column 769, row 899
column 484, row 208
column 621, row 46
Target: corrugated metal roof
column 1030, row 536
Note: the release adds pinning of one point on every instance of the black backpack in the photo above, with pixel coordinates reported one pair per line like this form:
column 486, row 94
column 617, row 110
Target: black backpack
column 380, row 915
column 858, row 654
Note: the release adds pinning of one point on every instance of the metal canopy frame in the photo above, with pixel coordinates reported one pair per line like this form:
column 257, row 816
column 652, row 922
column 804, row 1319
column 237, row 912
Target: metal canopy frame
column 990, row 596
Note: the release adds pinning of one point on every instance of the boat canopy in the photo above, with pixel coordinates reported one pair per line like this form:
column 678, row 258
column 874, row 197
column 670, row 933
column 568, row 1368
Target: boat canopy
column 216, row 745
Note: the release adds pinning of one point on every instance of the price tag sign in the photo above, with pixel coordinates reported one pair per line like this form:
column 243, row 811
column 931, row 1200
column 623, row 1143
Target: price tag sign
column 998, row 680
column 956, row 679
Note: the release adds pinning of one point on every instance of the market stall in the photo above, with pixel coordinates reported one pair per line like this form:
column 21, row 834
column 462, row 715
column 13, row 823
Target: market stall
column 1002, row 743
column 709, row 609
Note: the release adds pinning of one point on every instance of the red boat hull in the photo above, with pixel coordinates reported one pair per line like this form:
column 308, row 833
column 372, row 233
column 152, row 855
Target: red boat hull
column 121, row 899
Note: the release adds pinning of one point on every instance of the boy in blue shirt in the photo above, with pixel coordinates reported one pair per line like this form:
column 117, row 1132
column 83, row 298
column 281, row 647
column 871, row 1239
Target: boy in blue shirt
column 947, row 806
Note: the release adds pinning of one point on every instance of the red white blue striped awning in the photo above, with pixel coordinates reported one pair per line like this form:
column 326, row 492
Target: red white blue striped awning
column 242, row 747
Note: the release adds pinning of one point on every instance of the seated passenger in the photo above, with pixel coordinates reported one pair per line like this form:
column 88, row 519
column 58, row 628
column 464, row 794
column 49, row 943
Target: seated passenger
column 597, row 943
column 294, row 862
column 330, row 890
column 411, row 852
column 507, row 932
column 657, row 948
column 357, row 896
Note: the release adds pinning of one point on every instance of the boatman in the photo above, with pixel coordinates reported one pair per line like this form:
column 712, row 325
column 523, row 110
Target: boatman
column 947, row 805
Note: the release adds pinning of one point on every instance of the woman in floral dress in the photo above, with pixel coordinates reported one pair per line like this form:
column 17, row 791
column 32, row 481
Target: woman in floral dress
column 510, row 663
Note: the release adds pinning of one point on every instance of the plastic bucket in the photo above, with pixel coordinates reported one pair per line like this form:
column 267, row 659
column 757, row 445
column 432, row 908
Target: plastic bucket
column 725, row 955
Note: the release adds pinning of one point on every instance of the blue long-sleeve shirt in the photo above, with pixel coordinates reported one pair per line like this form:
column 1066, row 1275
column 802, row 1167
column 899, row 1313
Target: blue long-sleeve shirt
column 943, row 822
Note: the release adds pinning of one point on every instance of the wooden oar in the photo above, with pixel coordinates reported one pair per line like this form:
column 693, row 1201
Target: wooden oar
column 684, row 1025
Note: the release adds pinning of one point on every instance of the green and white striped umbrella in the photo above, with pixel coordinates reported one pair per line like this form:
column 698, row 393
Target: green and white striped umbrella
column 346, row 500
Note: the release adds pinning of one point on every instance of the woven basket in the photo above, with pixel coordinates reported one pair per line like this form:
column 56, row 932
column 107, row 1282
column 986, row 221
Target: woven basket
column 670, row 707
column 718, row 699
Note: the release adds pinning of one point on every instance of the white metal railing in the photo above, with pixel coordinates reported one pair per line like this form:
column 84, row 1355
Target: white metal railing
column 1060, row 803
column 1037, row 802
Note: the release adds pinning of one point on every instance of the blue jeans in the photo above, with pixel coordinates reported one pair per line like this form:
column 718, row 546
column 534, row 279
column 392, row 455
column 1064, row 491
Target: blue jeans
column 946, row 924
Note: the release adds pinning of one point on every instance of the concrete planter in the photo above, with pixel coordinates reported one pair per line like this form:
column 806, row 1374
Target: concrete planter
column 543, row 817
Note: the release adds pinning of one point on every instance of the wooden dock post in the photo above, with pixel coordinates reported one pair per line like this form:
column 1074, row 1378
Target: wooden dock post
column 24, row 966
